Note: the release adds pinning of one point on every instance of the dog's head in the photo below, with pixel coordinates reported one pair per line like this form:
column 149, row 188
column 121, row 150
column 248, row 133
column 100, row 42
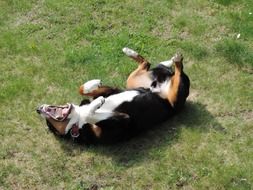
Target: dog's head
column 57, row 117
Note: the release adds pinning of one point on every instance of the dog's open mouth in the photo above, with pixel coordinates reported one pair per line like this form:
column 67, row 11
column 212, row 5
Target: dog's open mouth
column 58, row 113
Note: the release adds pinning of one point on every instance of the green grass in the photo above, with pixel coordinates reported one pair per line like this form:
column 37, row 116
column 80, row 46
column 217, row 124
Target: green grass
column 49, row 47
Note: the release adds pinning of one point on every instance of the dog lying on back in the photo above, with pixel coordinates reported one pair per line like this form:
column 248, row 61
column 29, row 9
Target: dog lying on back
column 152, row 96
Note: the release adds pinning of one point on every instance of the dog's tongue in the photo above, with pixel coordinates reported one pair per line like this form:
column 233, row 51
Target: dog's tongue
column 61, row 113
column 65, row 112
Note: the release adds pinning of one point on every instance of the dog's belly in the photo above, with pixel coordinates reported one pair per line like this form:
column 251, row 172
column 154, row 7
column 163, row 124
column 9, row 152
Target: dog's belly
column 141, row 80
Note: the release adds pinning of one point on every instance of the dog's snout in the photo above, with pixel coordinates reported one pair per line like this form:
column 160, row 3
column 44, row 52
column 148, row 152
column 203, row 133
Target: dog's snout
column 38, row 110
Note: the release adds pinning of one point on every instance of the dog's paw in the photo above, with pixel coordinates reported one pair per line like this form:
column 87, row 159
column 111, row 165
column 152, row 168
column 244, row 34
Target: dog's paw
column 90, row 86
column 129, row 52
column 178, row 58
column 97, row 103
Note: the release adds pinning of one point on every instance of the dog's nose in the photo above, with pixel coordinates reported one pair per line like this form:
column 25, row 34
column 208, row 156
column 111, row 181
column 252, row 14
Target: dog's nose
column 38, row 110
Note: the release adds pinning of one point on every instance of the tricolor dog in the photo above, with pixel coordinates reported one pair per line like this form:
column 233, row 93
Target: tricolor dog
column 152, row 96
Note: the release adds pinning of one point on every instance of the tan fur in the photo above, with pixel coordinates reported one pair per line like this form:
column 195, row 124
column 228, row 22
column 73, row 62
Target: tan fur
column 139, row 59
column 175, row 82
column 59, row 126
column 95, row 93
column 96, row 130
column 139, row 77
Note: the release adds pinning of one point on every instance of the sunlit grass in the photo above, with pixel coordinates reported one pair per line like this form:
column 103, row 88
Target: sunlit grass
column 48, row 48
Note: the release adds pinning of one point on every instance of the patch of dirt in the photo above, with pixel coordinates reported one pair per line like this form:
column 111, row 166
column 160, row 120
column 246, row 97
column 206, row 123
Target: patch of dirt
column 163, row 31
column 32, row 16
column 184, row 34
column 84, row 43
column 248, row 70
column 193, row 95
column 189, row 63
column 247, row 115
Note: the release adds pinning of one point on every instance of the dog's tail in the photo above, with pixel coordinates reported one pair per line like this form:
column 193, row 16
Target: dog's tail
column 134, row 55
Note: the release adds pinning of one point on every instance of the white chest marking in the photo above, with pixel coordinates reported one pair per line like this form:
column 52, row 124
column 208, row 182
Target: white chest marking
column 114, row 101
column 162, row 89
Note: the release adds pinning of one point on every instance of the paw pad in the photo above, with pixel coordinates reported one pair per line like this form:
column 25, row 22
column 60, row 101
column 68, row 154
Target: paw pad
column 178, row 58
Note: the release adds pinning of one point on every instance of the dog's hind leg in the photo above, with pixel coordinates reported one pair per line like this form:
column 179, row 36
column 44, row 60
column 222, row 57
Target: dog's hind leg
column 139, row 77
column 134, row 55
column 94, row 89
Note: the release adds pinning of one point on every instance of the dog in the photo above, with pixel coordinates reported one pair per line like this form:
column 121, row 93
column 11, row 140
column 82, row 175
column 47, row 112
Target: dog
column 151, row 97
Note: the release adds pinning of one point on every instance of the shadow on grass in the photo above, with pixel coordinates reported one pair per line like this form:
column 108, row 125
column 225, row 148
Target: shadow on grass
column 128, row 153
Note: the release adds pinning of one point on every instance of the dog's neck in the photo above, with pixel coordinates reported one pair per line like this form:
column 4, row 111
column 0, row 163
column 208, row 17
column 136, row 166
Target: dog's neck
column 76, row 117
column 81, row 115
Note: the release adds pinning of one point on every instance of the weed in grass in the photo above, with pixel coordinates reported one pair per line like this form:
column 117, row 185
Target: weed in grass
column 243, row 23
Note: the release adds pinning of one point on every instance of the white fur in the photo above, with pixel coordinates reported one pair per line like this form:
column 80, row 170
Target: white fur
column 80, row 114
column 129, row 52
column 168, row 63
column 162, row 89
column 99, row 109
column 91, row 85
column 165, row 89
column 114, row 101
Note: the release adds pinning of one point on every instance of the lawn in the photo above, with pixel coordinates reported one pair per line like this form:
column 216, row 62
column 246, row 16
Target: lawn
column 50, row 47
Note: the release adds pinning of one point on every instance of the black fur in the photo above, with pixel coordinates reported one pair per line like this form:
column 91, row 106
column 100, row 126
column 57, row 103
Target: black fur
column 145, row 111
column 183, row 91
column 160, row 73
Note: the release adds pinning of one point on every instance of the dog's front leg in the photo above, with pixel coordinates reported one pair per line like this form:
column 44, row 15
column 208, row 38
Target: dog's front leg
column 93, row 115
column 96, row 104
